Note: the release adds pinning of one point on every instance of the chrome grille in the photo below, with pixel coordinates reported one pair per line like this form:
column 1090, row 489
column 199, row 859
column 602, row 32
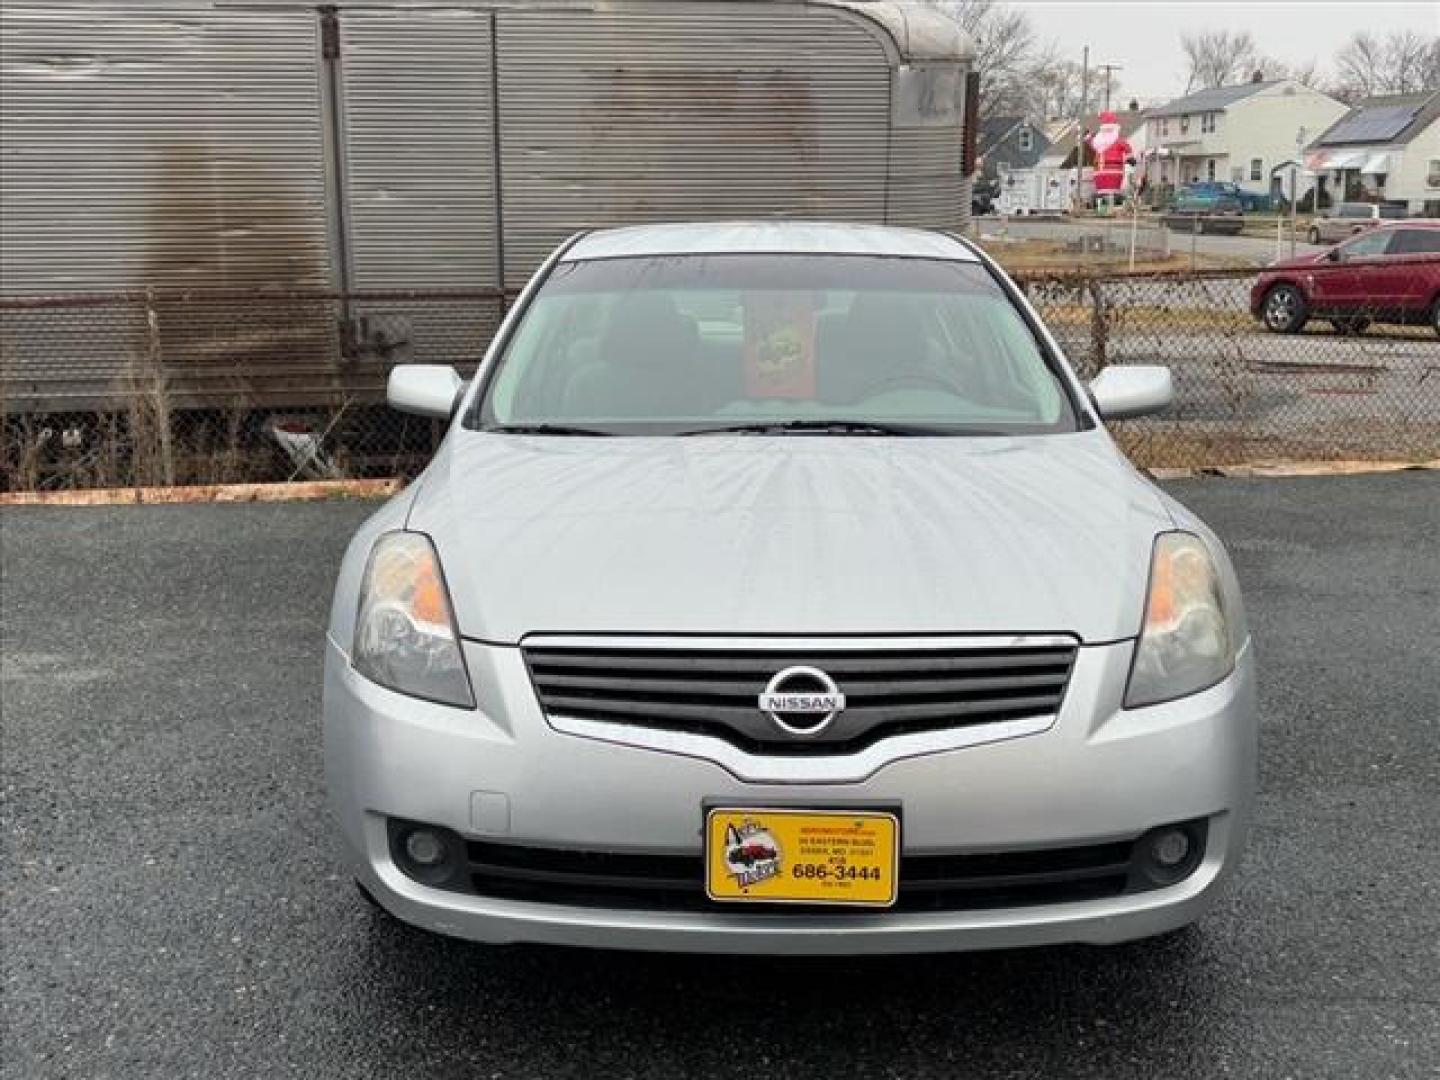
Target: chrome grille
column 716, row 691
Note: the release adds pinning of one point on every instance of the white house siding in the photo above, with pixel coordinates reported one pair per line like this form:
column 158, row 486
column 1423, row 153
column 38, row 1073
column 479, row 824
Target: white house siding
column 1412, row 172
column 1264, row 126
column 1191, row 148
column 1407, row 176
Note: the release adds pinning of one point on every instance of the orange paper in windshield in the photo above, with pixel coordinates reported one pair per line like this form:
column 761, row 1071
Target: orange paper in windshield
column 779, row 345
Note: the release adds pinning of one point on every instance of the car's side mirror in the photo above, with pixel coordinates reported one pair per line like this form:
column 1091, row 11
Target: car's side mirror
column 425, row 389
column 1334, row 255
column 1132, row 390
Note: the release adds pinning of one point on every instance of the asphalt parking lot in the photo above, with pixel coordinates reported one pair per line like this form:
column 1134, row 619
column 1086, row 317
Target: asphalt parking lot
column 172, row 905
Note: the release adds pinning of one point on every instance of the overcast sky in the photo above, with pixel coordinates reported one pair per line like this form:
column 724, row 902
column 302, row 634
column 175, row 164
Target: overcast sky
column 1144, row 36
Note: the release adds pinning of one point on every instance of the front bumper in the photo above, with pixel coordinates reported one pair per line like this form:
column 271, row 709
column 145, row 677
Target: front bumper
column 502, row 773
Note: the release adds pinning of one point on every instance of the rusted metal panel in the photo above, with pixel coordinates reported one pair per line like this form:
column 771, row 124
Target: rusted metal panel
column 229, row 348
column 417, row 132
column 169, row 146
column 195, row 350
column 210, row 145
column 926, row 163
column 650, row 112
column 418, row 137
column 925, row 178
column 173, row 145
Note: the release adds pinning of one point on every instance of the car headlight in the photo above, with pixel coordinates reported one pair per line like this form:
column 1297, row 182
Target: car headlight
column 1185, row 645
column 405, row 636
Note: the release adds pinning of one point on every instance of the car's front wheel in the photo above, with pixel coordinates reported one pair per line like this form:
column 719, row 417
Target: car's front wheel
column 1284, row 310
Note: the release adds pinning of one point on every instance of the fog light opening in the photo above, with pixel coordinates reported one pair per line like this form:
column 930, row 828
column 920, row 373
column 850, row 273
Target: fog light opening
column 1169, row 848
column 424, row 848
column 1169, row 854
column 430, row 854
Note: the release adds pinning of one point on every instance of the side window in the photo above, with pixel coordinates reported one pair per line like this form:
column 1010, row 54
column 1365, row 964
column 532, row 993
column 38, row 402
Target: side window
column 1367, row 246
column 1257, row 169
column 1416, row 242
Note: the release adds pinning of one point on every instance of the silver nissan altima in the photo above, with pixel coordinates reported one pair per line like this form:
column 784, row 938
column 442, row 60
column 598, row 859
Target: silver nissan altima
column 777, row 589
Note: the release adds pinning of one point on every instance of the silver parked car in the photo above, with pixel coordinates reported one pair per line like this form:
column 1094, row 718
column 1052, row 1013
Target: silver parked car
column 1347, row 219
column 777, row 589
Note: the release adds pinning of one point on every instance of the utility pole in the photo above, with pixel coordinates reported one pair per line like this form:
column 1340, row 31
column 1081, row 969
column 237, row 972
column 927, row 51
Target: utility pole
column 1080, row 128
column 1300, row 137
column 1108, row 68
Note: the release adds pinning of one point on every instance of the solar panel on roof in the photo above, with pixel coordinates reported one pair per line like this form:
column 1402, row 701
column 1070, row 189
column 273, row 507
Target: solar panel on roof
column 1373, row 125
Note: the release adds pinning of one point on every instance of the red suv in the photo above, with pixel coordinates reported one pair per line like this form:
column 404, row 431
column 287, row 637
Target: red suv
column 1390, row 274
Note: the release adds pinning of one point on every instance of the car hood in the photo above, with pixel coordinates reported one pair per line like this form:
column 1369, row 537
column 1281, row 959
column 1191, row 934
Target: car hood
column 1301, row 260
column 790, row 534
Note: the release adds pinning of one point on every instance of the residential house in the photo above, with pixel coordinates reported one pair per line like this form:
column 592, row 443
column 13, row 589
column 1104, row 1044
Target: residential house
column 1385, row 149
column 1010, row 142
column 1238, row 133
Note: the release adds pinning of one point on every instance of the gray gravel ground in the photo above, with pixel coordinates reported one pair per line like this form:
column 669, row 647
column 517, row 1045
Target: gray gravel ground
column 172, row 905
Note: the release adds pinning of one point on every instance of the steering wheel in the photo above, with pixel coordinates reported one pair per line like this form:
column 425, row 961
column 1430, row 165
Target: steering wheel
column 910, row 378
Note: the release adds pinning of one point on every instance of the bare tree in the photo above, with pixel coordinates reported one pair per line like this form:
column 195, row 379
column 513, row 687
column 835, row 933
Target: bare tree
column 1307, row 72
column 1401, row 62
column 1055, row 85
column 1412, row 61
column 1358, row 66
column 1219, row 58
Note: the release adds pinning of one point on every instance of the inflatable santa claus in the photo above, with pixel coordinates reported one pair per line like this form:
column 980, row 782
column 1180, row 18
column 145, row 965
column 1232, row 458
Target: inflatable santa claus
column 1112, row 154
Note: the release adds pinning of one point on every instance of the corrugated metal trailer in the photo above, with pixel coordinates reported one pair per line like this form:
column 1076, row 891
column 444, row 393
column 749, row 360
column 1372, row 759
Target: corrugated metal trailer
column 256, row 156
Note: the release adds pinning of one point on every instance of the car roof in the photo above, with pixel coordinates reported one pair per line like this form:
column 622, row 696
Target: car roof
column 769, row 238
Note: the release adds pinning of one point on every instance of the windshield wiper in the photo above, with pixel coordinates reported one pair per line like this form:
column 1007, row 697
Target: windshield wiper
column 545, row 429
column 822, row 427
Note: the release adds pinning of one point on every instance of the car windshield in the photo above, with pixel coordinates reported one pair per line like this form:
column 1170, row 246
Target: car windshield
column 773, row 344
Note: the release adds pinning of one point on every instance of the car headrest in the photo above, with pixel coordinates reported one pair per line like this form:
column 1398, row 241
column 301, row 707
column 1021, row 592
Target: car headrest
column 645, row 330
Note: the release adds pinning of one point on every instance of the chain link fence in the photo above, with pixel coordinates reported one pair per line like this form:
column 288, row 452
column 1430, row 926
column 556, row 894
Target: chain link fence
column 1354, row 388
column 161, row 388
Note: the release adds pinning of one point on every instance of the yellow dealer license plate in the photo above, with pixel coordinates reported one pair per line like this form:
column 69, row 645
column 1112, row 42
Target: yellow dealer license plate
column 802, row 856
